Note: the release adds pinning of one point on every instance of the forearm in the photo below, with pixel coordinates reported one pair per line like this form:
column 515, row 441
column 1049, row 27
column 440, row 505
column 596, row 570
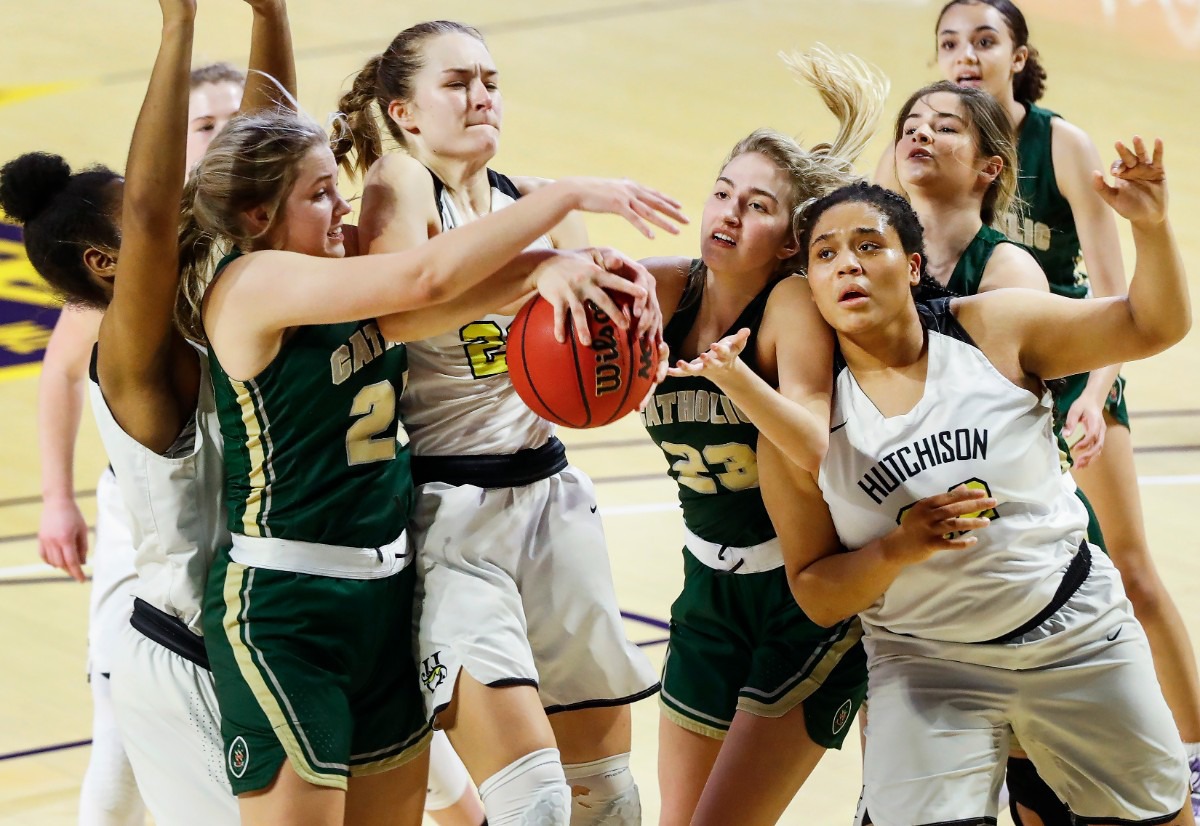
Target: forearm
column 844, row 584
column 271, row 56
column 1158, row 294
column 797, row 431
column 460, row 259
column 60, row 408
column 1100, row 382
column 507, row 285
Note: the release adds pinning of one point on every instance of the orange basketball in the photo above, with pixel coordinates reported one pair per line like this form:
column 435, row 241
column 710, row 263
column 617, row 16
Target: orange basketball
column 574, row 385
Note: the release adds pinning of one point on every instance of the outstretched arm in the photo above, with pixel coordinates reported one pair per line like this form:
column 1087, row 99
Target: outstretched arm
column 63, row 533
column 1058, row 336
column 271, row 56
column 138, row 336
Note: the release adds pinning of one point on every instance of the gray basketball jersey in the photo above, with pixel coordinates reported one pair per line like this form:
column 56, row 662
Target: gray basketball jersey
column 975, row 427
column 177, row 517
column 459, row 399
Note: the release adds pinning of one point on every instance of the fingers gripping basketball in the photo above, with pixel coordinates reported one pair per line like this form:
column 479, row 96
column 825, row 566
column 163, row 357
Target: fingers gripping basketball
column 572, row 384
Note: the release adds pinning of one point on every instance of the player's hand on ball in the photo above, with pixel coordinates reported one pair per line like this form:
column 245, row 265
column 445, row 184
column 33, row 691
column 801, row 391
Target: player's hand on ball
column 569, row 279
column 721, row 357
column 635, row 203
column 939, row 523
column 1139, row 189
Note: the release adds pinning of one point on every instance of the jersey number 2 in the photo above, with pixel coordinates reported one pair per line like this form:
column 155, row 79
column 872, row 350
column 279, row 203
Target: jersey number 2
column 375, row 410
column 483, row 342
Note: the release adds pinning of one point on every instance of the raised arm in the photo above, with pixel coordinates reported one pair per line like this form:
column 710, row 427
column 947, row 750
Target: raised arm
column 831, row 583
column 63, row 533
column 271, row 56
column 138, row 336
column 1058, row 336
column 1075, row 157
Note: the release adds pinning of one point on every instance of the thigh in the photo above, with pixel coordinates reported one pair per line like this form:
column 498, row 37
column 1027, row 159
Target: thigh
column 289, row 798
column 936, row 741
column 591, row 734
column 395, row 797
column 1100, row 732
column 685, row 760
column 762, row 763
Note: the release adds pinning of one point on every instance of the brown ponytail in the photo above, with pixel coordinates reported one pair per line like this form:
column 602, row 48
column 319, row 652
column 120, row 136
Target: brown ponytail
column 358, row 142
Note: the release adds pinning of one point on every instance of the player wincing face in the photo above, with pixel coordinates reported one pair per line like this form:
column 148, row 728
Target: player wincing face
column 456, row 107
column 747, row 223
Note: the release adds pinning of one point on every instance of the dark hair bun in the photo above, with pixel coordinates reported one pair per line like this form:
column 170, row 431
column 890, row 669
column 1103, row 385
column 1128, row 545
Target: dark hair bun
column 30, row 183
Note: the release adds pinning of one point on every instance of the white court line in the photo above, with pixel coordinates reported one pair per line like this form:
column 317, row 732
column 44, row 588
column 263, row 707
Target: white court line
column 659, row 507
column 36, row 569
column 18, row 571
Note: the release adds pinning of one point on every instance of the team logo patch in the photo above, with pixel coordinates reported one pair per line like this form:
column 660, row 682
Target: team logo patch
column 842, row 717
column 433, row 673
column 239, row 756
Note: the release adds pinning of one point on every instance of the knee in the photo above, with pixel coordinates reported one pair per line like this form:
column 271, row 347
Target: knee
column 603, row 792
column 530, row 790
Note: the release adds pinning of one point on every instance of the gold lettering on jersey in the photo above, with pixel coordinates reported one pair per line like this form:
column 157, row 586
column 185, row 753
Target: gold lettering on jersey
column 1032, row 234
column 362, row 347
column 692, row 406
column 911, row 460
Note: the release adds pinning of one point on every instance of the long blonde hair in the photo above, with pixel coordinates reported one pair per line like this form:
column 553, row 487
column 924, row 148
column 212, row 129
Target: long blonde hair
column 254, row 162
column 855, row 92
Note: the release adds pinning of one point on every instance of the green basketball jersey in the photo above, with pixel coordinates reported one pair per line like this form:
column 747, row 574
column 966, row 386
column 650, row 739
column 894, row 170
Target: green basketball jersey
column 710, row 445
column 314, row 449
column 968, row 272
column 1048, row 226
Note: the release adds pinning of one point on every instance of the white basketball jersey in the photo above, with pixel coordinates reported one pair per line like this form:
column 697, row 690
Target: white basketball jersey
column 972, row 426
column 459, row 399
column 177, row 515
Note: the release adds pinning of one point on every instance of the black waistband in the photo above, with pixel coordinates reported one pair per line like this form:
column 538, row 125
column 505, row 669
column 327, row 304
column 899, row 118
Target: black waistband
column 511, row 470
column 169, row 632
column 1077, row 571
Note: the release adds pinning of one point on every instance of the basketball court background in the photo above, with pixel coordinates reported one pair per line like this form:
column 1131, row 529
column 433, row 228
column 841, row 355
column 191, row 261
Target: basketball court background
column 656, row 91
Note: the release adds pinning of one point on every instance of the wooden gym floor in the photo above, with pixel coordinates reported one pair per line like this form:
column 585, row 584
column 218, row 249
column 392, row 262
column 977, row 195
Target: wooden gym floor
column 655, row 90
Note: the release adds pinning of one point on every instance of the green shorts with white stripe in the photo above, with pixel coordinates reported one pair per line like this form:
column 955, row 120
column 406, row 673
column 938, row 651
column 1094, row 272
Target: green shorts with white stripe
column 739, row 642
column 313, row 669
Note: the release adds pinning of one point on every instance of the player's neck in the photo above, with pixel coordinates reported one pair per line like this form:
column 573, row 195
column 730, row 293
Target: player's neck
column 950, row 226
column 727, row 294
column 466, row 180
column 898, row 345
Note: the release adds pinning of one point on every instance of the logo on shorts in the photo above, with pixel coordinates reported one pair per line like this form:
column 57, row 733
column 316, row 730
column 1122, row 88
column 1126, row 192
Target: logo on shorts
column 433, row 673
column 239, row 756
column 842, row 717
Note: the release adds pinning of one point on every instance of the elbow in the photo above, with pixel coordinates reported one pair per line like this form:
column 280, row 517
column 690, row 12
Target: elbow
column 817, row 609
column 431, row 286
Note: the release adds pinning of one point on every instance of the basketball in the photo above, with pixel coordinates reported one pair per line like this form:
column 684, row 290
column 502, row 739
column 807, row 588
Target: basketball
column 573, row 385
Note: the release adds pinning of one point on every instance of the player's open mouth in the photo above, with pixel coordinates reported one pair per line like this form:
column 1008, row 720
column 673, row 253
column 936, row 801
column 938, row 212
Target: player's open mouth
column 852, row 294
column 724, row 239
column 335, row 234
column 920, row 152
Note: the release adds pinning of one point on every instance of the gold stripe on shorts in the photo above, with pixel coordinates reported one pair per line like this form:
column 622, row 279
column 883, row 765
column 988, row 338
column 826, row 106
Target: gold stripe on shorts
column 805, row 688
column 395, row 761
column 303, row 761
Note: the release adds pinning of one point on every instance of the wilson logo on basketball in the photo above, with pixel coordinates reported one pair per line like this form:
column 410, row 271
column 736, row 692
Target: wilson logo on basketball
column 576, row 384
column 604, row 344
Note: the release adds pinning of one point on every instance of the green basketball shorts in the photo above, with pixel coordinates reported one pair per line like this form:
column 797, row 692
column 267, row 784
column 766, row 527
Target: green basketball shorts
column 315, row 669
